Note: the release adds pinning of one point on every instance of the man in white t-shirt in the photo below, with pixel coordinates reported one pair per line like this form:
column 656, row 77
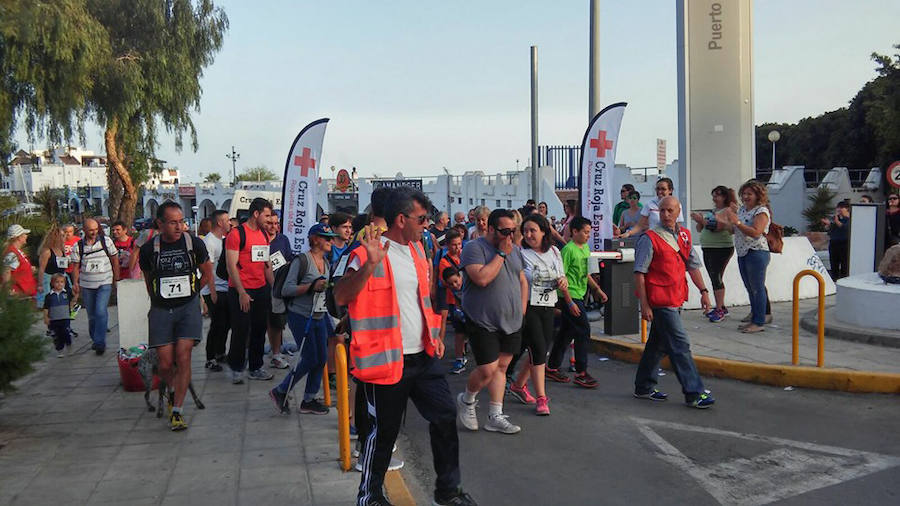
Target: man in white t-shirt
column 421, row 376
column 96, row 270
column 215, row 293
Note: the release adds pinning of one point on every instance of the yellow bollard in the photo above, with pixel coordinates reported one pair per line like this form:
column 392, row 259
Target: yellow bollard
column 795, row 351
column 325, row 386
column 343, row 406
column 643, row 331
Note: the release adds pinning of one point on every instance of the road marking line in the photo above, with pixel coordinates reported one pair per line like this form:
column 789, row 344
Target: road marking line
column 791, row 468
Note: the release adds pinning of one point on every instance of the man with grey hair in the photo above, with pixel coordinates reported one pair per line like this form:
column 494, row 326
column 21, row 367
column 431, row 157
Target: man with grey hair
column 662, row 255
column 459, row 218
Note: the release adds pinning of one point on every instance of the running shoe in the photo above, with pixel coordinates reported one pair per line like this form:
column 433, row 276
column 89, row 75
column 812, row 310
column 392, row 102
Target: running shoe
column 655, row 395
column 282, row 406
column 585, row 380
column 237, row 377
column 354, row 434
column 455, row 498
column 542, row 407
column 555, row 375
column 213, row 365
column 313, row 407
column 459, row 365
column 170, row 402
column 501, row 423
column 394, row 465
column 704, row 401
column 278, row 363
column 176, row 422
column 465, row 412
column 60, row 354
column 716, row 315
column 522, row 394
column 260, row 375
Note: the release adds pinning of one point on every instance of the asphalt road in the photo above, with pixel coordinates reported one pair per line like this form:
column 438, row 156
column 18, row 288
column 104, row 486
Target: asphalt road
column 757, row 445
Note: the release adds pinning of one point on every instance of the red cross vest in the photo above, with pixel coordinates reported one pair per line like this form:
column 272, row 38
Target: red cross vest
column 376, row 346
column 22, row 279
column 665, row 282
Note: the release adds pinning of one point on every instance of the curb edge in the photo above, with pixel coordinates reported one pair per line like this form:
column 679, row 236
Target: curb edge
column 845, row 380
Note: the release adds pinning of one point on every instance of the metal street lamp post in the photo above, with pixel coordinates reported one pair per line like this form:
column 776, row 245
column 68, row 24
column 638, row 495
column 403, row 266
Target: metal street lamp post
column 774, row 136
column 234, row 158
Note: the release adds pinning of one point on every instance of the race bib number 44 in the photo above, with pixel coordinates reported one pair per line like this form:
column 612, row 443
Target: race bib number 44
column 541, row 296
column 174, row 287
column 259, row 253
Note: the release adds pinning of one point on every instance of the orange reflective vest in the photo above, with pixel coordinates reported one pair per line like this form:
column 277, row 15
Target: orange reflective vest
column 376, row 347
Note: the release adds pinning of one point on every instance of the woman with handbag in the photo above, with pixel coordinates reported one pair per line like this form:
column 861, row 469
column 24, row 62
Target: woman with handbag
column 750, row 226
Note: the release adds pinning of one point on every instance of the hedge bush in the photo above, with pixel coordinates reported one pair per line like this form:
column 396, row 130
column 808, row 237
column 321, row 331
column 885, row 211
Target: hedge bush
column 20, row 343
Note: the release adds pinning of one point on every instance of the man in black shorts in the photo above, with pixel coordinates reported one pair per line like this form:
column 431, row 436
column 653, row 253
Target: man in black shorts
column 169, row 262
column 495, row 294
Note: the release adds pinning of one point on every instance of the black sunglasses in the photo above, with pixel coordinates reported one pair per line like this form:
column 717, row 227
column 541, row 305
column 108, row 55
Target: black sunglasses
column 505, row 232
column 421, row 218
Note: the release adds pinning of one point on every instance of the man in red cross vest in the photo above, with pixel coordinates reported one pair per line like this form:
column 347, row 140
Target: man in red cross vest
column 662, row 256
column 395, row 349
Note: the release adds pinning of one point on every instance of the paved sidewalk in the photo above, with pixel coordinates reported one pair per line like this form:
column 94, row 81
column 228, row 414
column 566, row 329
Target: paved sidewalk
column 723, row 340
column 71, row 435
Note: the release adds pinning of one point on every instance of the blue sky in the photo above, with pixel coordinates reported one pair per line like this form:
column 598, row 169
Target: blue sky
column 415, row 86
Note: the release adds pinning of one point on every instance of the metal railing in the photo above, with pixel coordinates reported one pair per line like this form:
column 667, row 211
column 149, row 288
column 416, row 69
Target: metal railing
column 795, row 352
column 343, row 405
column 564, row 160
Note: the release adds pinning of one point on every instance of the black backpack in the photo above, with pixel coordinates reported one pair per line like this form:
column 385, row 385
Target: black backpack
column 335, row 276
column 222, row 266
column 282, row 274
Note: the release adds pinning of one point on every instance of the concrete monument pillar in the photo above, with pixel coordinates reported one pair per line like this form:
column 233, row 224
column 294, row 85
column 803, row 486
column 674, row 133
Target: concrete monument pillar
column 716, row 143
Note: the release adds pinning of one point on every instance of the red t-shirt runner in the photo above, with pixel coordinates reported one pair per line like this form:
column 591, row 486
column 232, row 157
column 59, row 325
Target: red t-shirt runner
column 253, row 274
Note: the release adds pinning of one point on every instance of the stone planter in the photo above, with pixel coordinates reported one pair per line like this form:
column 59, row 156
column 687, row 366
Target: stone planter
column 819, row 240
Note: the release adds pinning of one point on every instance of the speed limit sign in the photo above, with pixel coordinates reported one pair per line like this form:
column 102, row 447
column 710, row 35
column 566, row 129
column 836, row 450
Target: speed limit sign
column 893, row 174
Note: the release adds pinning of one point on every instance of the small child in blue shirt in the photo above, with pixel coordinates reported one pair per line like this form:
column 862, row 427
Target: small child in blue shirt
column 57, row 314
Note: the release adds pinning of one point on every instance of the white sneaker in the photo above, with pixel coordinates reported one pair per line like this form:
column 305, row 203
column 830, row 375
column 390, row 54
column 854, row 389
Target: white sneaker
column 501, row 423
column 394, row 465
column 465, row 412
column 278, row 362
column 60, row 354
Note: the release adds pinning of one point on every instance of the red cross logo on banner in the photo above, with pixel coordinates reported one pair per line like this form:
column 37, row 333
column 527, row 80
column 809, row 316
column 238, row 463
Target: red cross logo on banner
column 601, row 144
column 306, row 162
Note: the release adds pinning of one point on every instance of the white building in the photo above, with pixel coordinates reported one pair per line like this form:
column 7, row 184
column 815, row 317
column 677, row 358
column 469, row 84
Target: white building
column 447, row 193
column 81, row 173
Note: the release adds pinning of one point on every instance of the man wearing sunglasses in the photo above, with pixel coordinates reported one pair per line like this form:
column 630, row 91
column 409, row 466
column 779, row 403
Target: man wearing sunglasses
column 495, row 294
column 395, row 349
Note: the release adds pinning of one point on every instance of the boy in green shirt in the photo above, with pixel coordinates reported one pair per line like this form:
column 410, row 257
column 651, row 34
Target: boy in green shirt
column 574, row 316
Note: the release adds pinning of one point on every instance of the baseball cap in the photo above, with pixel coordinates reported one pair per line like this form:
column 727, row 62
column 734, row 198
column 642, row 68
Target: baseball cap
column 322, row 230
column 15, row 230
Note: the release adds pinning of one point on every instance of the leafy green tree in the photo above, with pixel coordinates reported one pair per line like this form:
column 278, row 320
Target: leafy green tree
column 214, row 177
column 864, row 134
column 260, row 173
column 139, row 67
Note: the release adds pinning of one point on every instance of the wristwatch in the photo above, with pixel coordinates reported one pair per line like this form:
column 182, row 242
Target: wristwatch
column 704, row 291
column 501, row 253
